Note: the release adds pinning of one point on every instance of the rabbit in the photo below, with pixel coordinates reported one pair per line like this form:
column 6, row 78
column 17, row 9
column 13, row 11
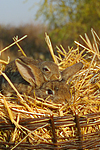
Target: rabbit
column 42, row 71
column 55, row 91
column 58, row 91
column 25, row 71
column 49, row 69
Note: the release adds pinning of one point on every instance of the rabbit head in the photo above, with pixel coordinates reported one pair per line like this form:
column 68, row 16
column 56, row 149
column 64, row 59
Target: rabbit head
column 56, row 91
column 37, row 72
column 50, row 71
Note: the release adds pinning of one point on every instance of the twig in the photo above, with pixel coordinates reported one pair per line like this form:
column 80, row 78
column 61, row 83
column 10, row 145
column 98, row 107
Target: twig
column 15, row 40
column 47, row 39
column 12, row 44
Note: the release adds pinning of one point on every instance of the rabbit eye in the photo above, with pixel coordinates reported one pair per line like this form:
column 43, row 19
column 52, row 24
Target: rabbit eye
column 49, row 92
column 45, row 68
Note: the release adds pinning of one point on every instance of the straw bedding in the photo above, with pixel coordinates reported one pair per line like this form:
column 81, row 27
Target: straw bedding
column 32, row 123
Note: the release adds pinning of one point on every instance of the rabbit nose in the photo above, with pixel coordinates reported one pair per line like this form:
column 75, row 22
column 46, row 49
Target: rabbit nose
column 59, row 77
column 46, row 79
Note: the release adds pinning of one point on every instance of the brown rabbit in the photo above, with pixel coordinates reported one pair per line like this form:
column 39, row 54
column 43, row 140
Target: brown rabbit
column 58, row 91
column 23, row 64
column 38, row 72
column 25, row 71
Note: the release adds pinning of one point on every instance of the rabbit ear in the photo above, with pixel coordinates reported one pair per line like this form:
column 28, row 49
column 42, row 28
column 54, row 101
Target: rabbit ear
column 31, row 73
column 71, row 70
column 30, row 60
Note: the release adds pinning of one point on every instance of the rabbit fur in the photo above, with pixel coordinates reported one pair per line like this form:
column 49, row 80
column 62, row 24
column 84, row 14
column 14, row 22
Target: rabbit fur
column 55, row 91
column 26, row 71
column 58, row 91
column 44, row 77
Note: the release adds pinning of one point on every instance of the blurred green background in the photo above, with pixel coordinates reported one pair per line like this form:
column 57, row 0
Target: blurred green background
column 63, row 20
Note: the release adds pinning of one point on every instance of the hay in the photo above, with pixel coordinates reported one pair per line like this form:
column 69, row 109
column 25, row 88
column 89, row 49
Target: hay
column 34, row 123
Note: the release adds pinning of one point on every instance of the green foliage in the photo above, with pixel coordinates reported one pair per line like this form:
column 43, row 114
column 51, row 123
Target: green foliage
column 67, row 19
column 55, row 13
